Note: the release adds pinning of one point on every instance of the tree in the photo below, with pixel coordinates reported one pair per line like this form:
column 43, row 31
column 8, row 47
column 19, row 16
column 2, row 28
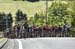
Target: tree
column 38, row 19
column 21, row 18
column 31, row 21
column 10, row 19
column 20, row 15
column 5, row 21
column 2, row 22
column 58, row 11
column 72, row 5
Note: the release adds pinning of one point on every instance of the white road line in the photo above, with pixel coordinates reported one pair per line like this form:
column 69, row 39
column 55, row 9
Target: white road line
column 20, row 44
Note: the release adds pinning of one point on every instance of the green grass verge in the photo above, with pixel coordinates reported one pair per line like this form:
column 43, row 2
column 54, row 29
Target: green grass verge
column 2, row 39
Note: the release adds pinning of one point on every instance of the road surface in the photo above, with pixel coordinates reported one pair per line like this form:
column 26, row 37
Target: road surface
column 41, row 43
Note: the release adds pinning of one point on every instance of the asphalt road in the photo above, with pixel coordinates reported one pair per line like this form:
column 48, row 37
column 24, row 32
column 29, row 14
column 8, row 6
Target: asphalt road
column 41, row 43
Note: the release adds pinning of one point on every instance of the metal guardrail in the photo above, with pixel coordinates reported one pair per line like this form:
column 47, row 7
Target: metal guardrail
column 25, row 34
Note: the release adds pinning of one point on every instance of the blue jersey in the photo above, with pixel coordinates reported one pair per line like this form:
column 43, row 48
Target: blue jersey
column 30, row 30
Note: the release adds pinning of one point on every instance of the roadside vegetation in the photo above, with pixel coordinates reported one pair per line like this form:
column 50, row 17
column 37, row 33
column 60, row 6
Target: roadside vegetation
column 34, row 13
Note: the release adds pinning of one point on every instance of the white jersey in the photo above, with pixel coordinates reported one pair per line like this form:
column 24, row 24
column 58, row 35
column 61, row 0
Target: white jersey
column 68, row 26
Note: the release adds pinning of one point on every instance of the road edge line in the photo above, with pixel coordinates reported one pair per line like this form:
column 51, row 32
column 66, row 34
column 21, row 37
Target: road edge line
column 4, row 44
column 20, row 44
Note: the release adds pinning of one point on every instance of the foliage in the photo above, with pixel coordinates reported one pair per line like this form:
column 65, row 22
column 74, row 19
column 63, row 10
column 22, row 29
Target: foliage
column 73, row 14
column 10, row 20
column 20, row 15
column 58, row 13
column 38, row 19
column 5, row 21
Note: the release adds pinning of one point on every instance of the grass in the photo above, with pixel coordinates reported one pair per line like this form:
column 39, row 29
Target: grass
column 2, row 39
column 5, row 0
column 29, row 8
